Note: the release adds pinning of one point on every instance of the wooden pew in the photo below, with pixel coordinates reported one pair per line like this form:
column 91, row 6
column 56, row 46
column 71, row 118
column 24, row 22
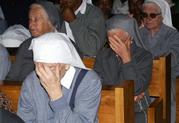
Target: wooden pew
column 117, row 104
column 12, row 91
column 116, row 101
column 177, row 100
column 160, row 87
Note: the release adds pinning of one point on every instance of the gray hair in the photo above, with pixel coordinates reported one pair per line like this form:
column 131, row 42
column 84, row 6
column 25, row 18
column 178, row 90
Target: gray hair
column 127, row 24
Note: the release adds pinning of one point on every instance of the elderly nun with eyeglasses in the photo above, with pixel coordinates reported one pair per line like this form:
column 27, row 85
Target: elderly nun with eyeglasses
column 124, row 60
column 161, row 38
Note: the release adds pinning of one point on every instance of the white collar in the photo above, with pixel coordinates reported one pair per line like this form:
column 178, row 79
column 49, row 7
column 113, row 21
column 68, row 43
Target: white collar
column 68, row 77
column 82, row 8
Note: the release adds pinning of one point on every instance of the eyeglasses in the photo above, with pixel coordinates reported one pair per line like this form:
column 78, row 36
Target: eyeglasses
column 151, row 15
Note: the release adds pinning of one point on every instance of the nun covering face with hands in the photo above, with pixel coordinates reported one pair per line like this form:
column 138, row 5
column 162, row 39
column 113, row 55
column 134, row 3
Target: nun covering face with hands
column 124, row 60
column 160, row 38
column 50, row 87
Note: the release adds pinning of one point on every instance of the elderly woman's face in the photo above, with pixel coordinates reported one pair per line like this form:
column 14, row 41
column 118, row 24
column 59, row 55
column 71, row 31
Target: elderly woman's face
column 38, row 21
column 152, row 16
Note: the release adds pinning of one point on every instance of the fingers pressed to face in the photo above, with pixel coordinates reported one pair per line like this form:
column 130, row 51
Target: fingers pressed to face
column 45, row 70
column 113, row 43
column 115, row 40
column 38, row 69
column 41, row 71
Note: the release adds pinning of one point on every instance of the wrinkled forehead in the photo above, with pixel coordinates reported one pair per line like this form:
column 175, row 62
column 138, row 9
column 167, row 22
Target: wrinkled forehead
column 152, row 6
column 118, row 31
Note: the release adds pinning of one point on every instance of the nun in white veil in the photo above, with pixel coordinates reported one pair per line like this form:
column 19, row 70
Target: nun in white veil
column 60, row 90
column 162, row 40
column 165, row 10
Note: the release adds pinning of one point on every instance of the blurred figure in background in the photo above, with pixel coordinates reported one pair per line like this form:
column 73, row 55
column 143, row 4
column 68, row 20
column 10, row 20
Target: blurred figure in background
column 84, row 24
column 135, row 10
column 160, row 38
column 105, row 6
column 43, row 18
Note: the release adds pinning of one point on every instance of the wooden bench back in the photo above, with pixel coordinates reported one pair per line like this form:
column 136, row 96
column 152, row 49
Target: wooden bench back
column 12, row 91
column 159, row 86
column 117, row 104
column 160, row 83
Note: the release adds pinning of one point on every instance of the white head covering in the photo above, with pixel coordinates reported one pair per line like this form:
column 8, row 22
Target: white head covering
column 14, row 36
column 55, row 48
column 165, row 9
column 170, row 2
column 89, row 1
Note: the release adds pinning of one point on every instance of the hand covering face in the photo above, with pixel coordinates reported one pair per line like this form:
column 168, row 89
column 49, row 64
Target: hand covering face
column 127, row 24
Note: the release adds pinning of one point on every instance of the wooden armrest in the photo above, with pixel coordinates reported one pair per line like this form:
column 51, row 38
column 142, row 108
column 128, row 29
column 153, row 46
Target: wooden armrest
column 155, row 111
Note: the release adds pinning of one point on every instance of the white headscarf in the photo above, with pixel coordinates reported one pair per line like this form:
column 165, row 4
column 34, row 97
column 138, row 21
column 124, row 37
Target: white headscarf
column 89, row 1
column 165, row 9
column 14, row 36
column 55, row 48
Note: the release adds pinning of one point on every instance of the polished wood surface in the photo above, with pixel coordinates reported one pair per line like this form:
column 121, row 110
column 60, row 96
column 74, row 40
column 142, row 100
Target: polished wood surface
column 155, row 90
column 160, row 84
column 155, row 111
column 117, row 104
column 12, row 90
column 159, row 87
